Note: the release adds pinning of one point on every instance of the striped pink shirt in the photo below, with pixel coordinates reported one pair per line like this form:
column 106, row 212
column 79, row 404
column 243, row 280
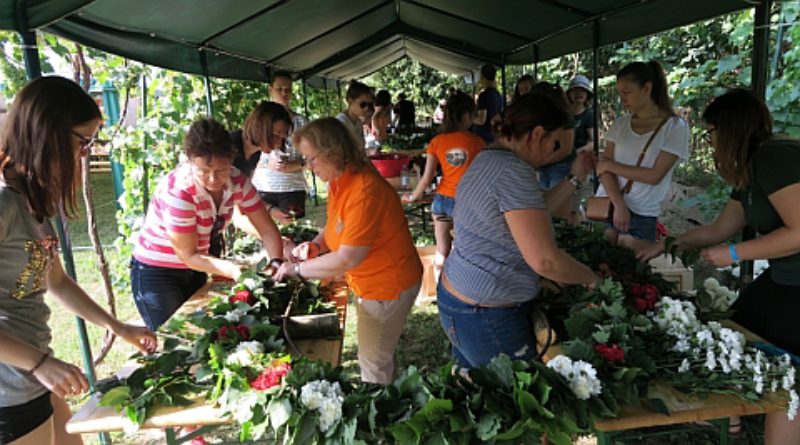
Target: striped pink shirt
column 180, row 205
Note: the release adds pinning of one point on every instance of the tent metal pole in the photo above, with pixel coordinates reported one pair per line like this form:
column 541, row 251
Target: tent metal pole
column 313, row 176
column 33, row 69
column 145, row 167
column 207, row 81
column 595, row 90
column 327, row 99
column 535, row 63
column 503, row 78
column 759, row 84
column 338, row 93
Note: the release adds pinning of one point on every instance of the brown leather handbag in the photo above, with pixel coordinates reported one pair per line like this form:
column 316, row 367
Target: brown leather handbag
column 600, row 208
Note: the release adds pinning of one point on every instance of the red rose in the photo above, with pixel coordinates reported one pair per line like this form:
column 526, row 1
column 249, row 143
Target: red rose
column 270, row 377
column 244, row 296
column 645, row 296
column 613, row 353
column 222, row 332
column 641, row 305
column 243, row 331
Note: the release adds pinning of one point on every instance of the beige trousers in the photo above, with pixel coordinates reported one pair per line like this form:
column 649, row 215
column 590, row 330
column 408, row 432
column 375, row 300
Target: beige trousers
column 380, row 323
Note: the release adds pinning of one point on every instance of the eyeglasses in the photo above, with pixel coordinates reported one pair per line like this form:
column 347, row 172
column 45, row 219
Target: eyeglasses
column 366, row 105
column 707, row 135
column 86, row 143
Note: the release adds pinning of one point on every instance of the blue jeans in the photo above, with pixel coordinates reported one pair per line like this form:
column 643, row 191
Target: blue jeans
column 478, row 334
column 442, row 207
column 551, row 175
column 160, row 291
column 641, row 227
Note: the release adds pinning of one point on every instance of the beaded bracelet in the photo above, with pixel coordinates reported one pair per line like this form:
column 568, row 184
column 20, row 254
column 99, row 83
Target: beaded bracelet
column 45, row 356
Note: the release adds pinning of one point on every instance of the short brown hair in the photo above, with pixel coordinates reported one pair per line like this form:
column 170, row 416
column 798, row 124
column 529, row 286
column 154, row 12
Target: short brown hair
column 37, row 144
column 529, row 112
column 742, row 123
column 336, row 143
column 208, row 139
column 258, row 125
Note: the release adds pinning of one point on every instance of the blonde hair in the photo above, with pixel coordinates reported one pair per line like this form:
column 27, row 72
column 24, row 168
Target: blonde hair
column 335, row 142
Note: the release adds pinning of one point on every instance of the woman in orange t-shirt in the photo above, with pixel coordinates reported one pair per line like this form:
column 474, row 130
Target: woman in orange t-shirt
column 366, row 238
column 454, row 149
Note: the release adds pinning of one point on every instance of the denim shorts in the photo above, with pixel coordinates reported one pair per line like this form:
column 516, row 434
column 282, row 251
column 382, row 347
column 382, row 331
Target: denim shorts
column 442, row 207
column 551, row 175
column 478, row 334
column 641, row 227
column 160, row 291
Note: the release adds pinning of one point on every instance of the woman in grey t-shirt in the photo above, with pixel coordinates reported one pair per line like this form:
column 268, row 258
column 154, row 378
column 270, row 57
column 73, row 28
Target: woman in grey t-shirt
column 504, row 239
column 50, row 128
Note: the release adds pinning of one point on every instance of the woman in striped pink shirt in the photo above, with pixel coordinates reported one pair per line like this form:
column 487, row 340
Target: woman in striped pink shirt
column 191, row 205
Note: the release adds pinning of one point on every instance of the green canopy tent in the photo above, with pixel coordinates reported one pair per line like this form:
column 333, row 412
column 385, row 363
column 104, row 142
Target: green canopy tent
column 332, row 40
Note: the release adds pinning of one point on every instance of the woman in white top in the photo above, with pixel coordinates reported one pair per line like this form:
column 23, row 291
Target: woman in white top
column 360, row 105
column 642, row 88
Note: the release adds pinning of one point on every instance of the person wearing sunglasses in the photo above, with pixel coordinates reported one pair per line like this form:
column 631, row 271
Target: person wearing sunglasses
column 366, row 238
column 360, row 105
column 191, row 204
column 50, row 128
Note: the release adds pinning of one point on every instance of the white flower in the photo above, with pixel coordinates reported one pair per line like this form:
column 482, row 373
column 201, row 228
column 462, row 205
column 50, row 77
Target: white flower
column 561, row 364
column 327, row 398
column 244, row 406
column 329, row 413
column 711, row 284
column 794, row 401
column 234, row 315
column 250, row 283
column 129, row 427
column 711, row 362
column 685, row 366
column 244, row 353
column 580, row 386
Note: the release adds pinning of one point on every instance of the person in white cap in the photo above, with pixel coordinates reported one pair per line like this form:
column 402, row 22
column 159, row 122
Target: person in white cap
column 579, row 96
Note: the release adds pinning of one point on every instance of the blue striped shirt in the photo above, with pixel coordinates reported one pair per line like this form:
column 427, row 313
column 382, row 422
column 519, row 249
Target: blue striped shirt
column 485, row 264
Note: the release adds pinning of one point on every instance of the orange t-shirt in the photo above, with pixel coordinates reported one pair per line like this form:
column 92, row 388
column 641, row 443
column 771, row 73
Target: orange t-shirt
column 454, row 151
column 364, row 210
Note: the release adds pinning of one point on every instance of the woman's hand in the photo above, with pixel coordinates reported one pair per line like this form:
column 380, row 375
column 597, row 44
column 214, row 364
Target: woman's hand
column 279, row 215
column 288, row 248
column 583, row 165
column 651, row 251
column 719, row 256
column 408, row 198
column 287, row 270
column 63, row 379
column 622, row 218
column 139, row 336
column 306, row 251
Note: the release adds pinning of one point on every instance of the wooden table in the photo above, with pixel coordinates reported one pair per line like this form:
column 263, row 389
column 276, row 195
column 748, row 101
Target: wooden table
column 716, row 408
column 92, row 418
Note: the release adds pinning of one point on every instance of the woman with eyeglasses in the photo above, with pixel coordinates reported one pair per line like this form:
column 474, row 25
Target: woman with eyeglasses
column 51, row 126
column 764, row 171
column 360, row 106
column 366, row 238
column 190, row 206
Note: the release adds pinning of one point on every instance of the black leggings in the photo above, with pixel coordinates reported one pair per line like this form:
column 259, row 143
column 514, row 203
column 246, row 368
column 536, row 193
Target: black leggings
column 770, row 310
column 18, row 420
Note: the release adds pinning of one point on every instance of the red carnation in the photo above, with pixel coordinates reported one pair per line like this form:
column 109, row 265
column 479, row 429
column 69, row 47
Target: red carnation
column 244, row 296
column 612, row 353
column 270, row 377
column 645, row 296
column 241, row 330
column 641, row 305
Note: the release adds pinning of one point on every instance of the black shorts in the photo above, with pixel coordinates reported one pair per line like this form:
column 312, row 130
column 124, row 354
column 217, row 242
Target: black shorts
column 19, row 420
column 769, row 310
column 287, row 201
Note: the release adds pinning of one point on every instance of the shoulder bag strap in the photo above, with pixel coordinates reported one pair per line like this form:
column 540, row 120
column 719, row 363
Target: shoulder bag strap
column 629, row 184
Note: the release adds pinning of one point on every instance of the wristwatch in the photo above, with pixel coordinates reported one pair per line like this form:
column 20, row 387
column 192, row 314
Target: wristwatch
column 297, row 271
column 574, row 180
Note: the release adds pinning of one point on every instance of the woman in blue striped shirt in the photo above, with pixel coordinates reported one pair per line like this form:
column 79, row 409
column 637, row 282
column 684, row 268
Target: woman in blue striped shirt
column 504, row 238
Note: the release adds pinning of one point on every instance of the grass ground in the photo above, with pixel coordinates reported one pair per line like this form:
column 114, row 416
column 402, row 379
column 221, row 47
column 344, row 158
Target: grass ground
column 423, row 343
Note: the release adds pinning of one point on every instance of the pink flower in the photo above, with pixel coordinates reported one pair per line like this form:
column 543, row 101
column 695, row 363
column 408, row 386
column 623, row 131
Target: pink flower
column 270, row 377
column 244, row 296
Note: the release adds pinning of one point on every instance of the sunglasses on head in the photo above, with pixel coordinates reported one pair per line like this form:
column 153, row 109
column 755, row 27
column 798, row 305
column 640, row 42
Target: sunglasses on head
column 366, row 105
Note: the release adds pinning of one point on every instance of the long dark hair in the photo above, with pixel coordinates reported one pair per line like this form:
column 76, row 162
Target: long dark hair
column 529, row 112
column 457, row 105
column 258, row 125
column 653, row 72
column 523, row 78
column 37, row 148
column 741, row 121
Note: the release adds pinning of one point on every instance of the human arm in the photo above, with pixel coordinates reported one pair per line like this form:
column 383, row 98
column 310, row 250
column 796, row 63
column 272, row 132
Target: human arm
column 277, row 164
column 622, row 216
column 427, row 178
column 533, row 234
column 267, row 231
column 559, row 198
column 310, row 249
column 185, row 247
column 646, row 175
column 781, row 242
column 328, row 265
